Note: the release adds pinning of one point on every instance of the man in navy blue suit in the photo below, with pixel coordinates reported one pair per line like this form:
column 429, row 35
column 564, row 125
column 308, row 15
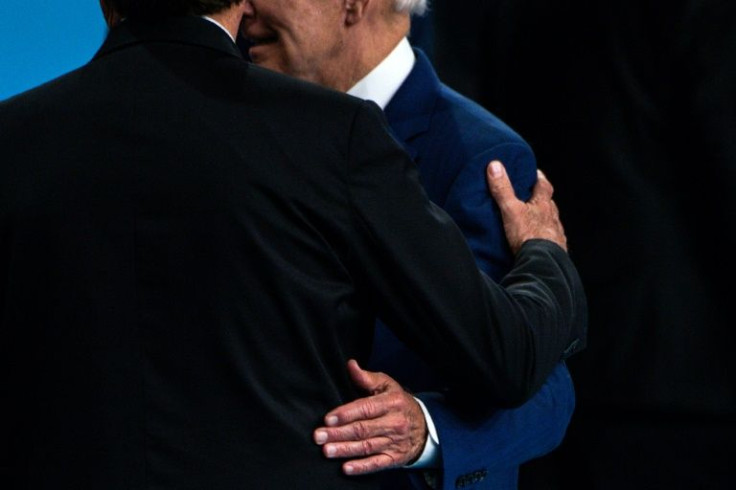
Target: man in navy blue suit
column 361, row 47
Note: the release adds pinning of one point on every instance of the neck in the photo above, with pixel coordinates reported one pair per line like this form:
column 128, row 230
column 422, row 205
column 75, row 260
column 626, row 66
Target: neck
column 229, row 19
column 373, row 43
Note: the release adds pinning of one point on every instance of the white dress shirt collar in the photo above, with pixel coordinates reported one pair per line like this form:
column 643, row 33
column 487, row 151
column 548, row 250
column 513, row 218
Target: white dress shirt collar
column 384, row 80
column 220, row 26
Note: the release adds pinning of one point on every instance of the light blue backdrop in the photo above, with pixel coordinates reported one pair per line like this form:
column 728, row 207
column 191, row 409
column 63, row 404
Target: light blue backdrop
column 42, row 39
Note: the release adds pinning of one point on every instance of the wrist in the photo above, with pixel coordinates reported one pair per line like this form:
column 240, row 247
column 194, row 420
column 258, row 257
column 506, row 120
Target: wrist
column 429, row 456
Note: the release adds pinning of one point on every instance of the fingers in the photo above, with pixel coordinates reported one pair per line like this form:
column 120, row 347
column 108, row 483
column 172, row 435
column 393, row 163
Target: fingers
column 379, row 452
column 364, row 409
column 500, row 185
column 371, row 464
column 355, row 449
column 386, row 429
column 370, row 407
column 543, row 189
column 356, row 431
column 385, row 442
column 523, row 221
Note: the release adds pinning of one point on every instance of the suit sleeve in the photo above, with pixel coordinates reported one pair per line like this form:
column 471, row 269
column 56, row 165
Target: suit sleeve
column 508, row 438
column 488, row 450
column 495, row 344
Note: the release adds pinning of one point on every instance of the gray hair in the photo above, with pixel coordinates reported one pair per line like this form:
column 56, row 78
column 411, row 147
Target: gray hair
column 414, row 7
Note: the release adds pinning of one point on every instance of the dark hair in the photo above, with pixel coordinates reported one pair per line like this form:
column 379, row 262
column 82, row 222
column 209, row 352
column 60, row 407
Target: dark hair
column 149, row 9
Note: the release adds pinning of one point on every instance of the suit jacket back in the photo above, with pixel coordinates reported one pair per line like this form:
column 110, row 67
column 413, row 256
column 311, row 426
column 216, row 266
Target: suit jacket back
column 139, row 257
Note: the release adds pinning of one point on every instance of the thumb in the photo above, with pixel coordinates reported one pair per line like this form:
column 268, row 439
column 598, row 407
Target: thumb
column 500, row 185
column 367, row 380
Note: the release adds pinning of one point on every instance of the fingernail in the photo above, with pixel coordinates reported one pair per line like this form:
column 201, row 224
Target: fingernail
column 496, row 169
column 349, row 470
column 320, row 437
column 330, row 451
column 331, row 421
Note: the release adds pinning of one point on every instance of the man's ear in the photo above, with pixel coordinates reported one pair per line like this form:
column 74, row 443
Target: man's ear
column 355, row 10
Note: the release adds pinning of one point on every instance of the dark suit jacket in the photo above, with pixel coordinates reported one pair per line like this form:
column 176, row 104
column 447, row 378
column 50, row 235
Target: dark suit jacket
column 452, row 139
column 193, row 247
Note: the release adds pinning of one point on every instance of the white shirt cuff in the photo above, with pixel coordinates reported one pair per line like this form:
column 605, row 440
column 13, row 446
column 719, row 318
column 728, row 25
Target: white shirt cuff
column 430, row 457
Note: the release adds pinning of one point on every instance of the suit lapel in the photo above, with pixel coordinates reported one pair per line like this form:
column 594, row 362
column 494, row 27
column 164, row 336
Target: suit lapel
column 410, row 111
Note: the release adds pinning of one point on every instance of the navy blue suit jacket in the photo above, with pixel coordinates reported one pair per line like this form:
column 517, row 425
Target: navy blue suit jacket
column 452, row 139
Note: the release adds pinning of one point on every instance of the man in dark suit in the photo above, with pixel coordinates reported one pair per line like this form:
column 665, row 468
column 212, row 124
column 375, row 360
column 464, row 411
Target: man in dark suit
column 451, row 139
column 193, row 248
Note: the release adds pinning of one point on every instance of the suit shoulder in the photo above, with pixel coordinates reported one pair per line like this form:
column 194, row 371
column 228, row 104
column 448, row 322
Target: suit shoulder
column 292, row 108
column 28, row 108
column 304, row 95
column 463, row 134
column 473, row 124
column 41, row 93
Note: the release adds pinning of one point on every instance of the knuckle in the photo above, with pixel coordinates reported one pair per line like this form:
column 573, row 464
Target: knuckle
column 403, row 426
column 370, row 466
column 379, row 462
column 367, row 408
column 390, row 461
column 360, row 430
column 395, row 399
column 368, row 447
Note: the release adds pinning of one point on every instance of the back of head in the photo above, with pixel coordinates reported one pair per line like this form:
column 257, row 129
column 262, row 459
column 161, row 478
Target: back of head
column 412, row 7
column 151, row 9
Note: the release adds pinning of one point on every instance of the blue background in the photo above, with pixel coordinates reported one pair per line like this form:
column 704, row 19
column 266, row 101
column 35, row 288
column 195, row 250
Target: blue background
column 43, row 39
